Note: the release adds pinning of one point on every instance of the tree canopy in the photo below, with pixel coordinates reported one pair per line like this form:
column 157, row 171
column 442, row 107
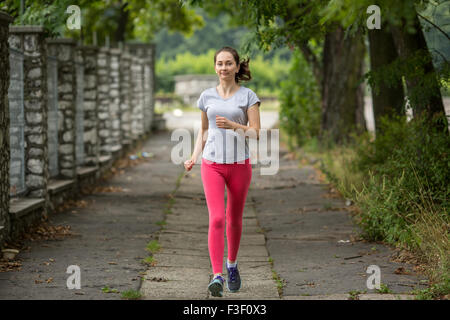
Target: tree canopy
column 120, row 20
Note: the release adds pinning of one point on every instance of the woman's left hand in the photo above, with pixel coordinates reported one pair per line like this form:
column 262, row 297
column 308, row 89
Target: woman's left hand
column 224, row 123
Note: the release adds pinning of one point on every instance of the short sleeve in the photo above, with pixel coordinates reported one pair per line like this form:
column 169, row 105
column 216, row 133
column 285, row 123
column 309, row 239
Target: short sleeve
column 201, row 103
column 252, row 99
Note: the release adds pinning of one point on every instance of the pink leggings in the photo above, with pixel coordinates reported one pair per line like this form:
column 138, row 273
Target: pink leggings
column 237, row 177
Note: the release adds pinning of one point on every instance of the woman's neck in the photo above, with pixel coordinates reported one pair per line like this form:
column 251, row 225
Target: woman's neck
column 228, row 88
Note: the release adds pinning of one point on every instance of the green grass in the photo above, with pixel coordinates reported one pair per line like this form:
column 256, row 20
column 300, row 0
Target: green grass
column 260, row 230
column 106, row 289
column 384, row 289
column 149, row 260
column 354, row 294
column 280, row 282
column 161, row 223
column 153, row 246
column 327, row 206
column 131, row 295
column 171, row 201
column 435, row 291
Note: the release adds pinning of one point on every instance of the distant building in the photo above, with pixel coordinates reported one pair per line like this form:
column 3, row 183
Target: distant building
column 189, row 86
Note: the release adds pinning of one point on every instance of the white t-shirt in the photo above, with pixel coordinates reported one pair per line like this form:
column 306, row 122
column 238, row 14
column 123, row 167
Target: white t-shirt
column 225, row 145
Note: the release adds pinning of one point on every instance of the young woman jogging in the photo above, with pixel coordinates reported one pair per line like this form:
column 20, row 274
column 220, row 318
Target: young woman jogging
column 226, row 110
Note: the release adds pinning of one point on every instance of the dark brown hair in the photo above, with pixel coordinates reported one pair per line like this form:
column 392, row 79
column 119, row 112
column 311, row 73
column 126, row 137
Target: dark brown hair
column 244, row 71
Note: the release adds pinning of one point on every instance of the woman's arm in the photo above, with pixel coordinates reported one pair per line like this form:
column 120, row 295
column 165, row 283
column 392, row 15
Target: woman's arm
column 203, row 133
column 253, row 120
column 200, row 142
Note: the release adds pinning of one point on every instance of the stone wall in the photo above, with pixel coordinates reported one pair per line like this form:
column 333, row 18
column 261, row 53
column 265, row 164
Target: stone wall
column 148, row 114
column 125, row 98
column 114, row 95
column 5, row 20
column 137, row 107
column 64, row 51
column 30, row 39
column 53, row 117
column 91, row 140
column 151, row 92
column 79, row 107
column 103, row 92
column 103, row 102
column 146, row 53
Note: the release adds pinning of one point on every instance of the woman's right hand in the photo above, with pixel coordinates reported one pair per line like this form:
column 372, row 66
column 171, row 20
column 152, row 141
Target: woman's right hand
column 188, row 164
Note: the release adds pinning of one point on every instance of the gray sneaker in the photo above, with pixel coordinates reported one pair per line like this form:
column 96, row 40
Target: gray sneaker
column 216, row 286
column 234, row 279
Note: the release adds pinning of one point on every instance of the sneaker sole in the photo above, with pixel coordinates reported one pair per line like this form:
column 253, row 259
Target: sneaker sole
column 215, row 289
column 236, row 290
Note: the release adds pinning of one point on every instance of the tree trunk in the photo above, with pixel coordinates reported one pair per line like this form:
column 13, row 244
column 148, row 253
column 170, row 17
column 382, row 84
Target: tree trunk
column 342, row 88
column 122, row 24
column 389, row 100
column 313, row 61
column 407, row 45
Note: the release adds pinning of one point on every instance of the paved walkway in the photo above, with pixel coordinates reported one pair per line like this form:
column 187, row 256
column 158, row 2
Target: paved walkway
column 183, row 263
column 110, row 230
column 313, row 243
column 291, row 245
column 297, row 243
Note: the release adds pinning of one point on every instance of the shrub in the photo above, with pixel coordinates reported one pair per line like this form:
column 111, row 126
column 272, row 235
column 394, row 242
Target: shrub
column 405, row 197
column 413, row 151
column 300, row 103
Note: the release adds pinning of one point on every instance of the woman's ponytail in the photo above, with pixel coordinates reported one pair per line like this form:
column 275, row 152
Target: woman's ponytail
column 244, row 72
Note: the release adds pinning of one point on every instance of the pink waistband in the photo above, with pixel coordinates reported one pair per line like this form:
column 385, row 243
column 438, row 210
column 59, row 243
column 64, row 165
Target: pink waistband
column 246, row 161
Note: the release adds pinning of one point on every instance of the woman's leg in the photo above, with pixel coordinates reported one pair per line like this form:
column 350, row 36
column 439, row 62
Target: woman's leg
column 238, row 182
column 214, row 187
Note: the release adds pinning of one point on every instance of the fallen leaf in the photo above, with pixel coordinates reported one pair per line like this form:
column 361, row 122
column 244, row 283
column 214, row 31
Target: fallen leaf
column 401, row 270
column 6, row 265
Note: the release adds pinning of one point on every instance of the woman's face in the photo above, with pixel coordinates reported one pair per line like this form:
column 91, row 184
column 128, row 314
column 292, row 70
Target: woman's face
column 226, row 67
